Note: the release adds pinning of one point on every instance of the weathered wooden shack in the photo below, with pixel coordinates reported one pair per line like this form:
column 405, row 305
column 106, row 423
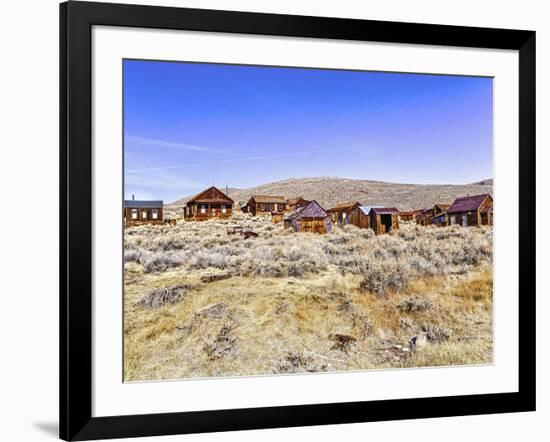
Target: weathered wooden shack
column 360, row 217
column 294, row 203
column 409, row 215
column 431, row 215
column 138, row 212
column 210, row 203
column 265, row 205
column 475, row 210
column 340, row 214
column 384, row 219
column 309, row 218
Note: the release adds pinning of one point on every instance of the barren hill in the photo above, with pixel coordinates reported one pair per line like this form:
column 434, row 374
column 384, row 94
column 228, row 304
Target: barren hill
column 328, row 191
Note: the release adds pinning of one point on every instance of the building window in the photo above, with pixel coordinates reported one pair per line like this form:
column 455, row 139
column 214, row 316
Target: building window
column 144, row 214
column 203, row 209
column 155, row 214
column 134, row 213
column 224, row 209
column 465, row 221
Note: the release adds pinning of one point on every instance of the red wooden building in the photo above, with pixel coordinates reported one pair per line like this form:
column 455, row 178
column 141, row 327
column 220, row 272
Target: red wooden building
column 432, row 215
column 384, row 219
column 137, row 212
column 340, row 213
column 475, row 210
column 265, row 205
column 210, row 203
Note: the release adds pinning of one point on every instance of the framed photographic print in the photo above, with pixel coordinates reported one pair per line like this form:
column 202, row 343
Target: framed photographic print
column 272, row 220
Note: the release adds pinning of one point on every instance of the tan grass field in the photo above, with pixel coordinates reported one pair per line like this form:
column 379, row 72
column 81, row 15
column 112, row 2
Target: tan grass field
column 292, row 303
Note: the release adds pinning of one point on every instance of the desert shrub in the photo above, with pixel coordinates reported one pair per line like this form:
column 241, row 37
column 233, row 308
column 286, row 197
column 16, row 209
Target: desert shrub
column 436, row 333
column 159, row 262
column 385, row 261
column 383, row 277
column 220, row 258
column 160, row 297
column 133, row 255
column 169, row 243
column 415, row 304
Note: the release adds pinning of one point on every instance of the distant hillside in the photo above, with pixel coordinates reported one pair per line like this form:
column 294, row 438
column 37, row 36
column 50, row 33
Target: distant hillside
column 329, row 191
column 487, row 182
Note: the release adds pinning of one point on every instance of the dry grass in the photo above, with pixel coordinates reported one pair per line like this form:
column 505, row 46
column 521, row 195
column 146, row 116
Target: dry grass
column 302, row 302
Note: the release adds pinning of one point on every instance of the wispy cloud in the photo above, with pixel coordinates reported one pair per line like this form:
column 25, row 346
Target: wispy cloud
column 160, row 144
column 160, row 181
column 251, row 158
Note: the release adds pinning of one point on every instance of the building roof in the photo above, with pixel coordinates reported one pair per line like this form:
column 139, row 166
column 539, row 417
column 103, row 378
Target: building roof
column 385, row 210
column 366, row 209
column 468, row 203
column 296, row 200
column 310, row 210
column 268, row 199
column 344, row 206
column 210, row 195
column 142, row 204
column 442, row 207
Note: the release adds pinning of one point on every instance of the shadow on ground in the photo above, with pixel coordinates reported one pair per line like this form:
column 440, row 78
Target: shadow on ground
column 49, row 428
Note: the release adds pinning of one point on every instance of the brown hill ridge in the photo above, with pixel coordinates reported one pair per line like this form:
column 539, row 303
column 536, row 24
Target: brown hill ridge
column 329, row 191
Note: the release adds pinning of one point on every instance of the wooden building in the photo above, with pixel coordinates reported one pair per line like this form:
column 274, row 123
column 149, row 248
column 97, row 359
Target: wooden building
column 360, row 217
column 431, row 216
column 340, row 214
column 409, row 215
column 384, row 219
column 210, row 203
column 265, row 205
column 476, row 210
column 138, row 212
column 309, row 218
column 294, row 203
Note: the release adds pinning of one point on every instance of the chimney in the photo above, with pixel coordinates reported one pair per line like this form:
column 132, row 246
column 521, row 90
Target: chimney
column 226, row 190
column 133, row 197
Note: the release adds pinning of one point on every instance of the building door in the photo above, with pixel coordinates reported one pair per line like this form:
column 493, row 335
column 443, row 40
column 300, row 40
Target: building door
column 386, row 221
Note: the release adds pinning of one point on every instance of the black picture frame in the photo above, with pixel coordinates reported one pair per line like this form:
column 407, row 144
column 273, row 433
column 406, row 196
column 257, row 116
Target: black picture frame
column 76, row 21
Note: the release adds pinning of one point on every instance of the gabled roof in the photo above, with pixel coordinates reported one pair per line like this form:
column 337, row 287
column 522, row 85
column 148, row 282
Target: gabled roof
column 268, row 199
column 143, row 204
column 310, row 210
column 385, row 210
column 210, row 195
column 296, row 200
column 442, row 207
column 366, row 209
column 468, row 203
column 344, row 206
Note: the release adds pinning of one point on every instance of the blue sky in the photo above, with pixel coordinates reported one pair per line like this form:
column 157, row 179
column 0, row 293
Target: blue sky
column 189, row 125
